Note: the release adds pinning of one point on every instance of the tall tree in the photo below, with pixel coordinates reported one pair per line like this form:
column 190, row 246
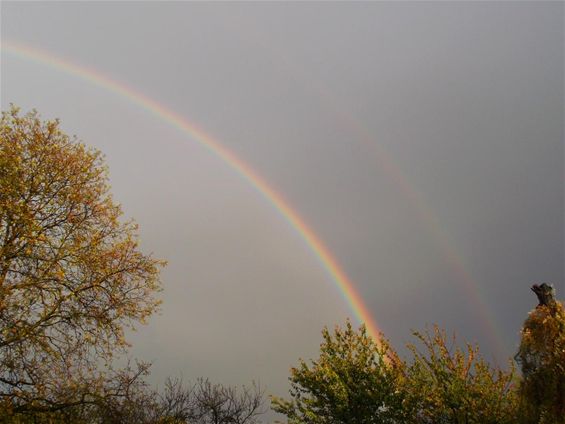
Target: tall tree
column 72, row 277
column 542, row 358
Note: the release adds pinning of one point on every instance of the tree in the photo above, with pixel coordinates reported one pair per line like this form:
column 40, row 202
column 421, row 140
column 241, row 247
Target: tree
column 200, row 403
column 448, row 384
column 72, row 277
column 208, row 403
column 354, row 380
column 542, row 359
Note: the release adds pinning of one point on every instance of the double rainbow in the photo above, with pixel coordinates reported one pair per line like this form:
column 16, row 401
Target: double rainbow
column 322, row 253
column 337, row 275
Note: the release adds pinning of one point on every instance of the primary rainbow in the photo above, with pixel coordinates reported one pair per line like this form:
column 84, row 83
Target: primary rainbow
column 324, row 256
column 422, row 209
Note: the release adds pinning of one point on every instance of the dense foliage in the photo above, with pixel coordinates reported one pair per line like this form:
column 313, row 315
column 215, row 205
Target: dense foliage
column 358, row 380
column 71, row 275
column 354, row 380
column 449, row 384
column 542, row 358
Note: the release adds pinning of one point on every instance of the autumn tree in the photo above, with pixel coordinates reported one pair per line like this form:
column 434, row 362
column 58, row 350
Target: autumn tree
column 354, row 380
column 542, row 359
column 446, row 383
column 72, row 277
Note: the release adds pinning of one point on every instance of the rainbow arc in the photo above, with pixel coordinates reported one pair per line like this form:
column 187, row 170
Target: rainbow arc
column 327, row 260
column 338, row 276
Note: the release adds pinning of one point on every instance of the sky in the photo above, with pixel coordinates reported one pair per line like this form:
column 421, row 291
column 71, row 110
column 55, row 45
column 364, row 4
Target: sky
column 421, row 142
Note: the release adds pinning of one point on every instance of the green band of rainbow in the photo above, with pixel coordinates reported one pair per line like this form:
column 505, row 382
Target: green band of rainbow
column 324, row 256
column 422, row 209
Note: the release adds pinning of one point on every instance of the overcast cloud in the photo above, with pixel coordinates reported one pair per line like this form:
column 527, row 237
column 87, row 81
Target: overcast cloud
column 412, row 137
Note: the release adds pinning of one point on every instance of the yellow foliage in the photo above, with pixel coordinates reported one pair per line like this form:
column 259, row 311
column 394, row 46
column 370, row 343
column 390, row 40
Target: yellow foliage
column 71, row 276
column 542, row 358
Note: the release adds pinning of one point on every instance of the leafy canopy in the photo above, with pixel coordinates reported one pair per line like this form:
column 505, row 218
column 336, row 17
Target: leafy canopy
column 449, row 384
column 72, row 277
column 542, row 359
column 356, row 380
column 353, row 381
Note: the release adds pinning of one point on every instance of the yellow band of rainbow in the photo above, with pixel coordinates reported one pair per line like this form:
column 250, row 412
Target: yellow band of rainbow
column 338, row 276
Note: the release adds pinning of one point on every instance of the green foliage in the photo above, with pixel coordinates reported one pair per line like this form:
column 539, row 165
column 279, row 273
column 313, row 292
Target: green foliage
column 448, row 384
column 356, row 380
column 353, row 381
column 542, row 358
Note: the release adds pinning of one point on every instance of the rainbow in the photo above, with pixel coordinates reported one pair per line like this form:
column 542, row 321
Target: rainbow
column 327, row 260
column 322, row 253
column 386, row 163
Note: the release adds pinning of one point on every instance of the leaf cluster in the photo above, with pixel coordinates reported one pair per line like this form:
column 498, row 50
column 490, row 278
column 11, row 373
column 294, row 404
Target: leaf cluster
column 447, row 383
column 353, row 380
column 359, row 380
column 542, row 359
column 72, row 277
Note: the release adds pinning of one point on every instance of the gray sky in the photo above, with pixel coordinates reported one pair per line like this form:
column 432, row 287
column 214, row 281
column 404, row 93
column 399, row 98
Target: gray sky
column 405, row 134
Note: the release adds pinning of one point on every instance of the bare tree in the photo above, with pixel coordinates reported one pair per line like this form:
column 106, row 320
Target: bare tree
column 208, row 403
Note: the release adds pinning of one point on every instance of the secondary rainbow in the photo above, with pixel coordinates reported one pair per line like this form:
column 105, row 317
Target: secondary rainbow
column 322, row 253
column 422, row 209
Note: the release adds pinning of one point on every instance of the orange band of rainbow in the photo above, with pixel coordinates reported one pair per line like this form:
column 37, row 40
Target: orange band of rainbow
column 327, row 260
